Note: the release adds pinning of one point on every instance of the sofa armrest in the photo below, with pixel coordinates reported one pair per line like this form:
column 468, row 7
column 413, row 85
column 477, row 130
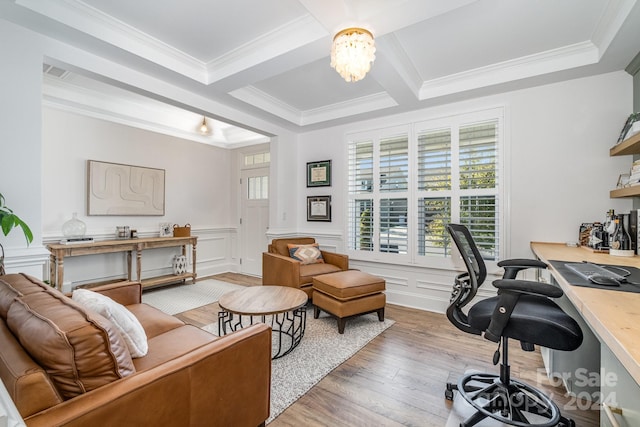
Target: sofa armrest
column 339, row 260
column 125, row 293
column 280, row 270
column 226, row 382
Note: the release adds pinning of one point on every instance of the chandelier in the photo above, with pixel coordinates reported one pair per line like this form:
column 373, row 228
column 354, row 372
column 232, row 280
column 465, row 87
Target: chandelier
column 352, row 53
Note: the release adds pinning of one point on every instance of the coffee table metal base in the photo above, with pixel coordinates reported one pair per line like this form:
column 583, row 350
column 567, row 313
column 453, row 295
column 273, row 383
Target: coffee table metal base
column 287, row 327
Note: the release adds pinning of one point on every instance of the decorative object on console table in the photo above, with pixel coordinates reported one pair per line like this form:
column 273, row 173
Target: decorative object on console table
column 74, row 228
column 9, row 220
column 179, row 231
column 319, row 208
column 74, row 231
column 165, row 229
column 319, row 174
column 123, row 232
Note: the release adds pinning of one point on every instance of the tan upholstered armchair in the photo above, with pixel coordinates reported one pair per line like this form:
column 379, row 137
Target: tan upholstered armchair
column 278, row 268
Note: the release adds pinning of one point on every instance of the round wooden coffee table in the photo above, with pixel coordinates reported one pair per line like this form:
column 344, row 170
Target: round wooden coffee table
column 281, row 307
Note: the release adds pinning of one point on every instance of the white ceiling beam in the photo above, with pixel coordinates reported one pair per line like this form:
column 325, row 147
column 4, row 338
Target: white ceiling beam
column 280, row 41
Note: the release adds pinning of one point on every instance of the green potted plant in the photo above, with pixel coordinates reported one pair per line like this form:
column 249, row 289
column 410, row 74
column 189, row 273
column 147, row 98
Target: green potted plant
column 9, row 220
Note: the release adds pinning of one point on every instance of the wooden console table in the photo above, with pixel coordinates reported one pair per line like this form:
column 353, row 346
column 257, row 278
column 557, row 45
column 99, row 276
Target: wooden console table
column 60, row 251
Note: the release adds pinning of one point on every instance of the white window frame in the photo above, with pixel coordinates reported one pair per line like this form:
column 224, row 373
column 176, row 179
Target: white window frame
column 412, row 194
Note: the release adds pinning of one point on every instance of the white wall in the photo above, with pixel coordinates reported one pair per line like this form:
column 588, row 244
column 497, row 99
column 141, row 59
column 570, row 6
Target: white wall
column 559, row 172
column 197, row 191
column 20, row 156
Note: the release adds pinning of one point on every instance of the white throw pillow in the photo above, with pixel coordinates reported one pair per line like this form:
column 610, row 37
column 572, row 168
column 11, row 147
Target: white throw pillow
column 125, row 322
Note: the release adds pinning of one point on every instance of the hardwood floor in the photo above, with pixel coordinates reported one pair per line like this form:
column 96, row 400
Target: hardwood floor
column 398, row 379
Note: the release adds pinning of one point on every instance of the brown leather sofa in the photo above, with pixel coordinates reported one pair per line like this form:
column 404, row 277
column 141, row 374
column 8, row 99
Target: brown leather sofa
column 278, row 268
column 64, row 365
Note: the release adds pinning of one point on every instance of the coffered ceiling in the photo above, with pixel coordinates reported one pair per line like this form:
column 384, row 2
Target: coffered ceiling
column 270, row 58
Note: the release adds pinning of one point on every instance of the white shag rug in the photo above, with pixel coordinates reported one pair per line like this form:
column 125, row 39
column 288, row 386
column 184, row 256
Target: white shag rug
column 178, row 298
column 321, row 350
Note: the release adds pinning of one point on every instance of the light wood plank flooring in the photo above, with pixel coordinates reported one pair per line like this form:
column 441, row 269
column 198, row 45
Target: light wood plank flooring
column 398, row 379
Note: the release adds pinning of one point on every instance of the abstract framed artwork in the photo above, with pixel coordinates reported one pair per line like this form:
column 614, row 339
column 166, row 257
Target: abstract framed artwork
column 319, row 174
column 118, row 189
column 319, row 208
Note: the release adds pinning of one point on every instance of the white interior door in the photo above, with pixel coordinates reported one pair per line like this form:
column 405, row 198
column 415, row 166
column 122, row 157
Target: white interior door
column 254, row 220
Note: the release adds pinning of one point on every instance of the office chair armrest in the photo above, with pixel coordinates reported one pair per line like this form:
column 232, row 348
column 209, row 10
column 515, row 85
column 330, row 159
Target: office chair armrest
column 513, row 266
column 528, row 287
column 509, row 291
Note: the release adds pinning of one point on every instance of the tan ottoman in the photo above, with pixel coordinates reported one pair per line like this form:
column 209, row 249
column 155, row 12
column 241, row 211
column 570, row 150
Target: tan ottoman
column 348, row 293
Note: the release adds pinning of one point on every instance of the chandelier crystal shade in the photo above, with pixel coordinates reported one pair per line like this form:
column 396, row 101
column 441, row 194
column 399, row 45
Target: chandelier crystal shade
column 352, row 53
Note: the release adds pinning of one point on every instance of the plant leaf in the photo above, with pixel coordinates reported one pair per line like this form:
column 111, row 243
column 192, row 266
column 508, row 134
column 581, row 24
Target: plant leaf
column 25, row 229
column 6, row 223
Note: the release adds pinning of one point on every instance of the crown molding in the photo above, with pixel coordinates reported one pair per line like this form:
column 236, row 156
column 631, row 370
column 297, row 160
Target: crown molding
column 89, row 20
column 264, row 101
column 563, row 58
column 364, row 104
column 611, row 20
column 567, row 57
column 254, row 96
column 84, row 18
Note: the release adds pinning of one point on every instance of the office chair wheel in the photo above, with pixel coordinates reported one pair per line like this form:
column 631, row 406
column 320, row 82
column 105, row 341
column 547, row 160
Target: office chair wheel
column 515, row 403
column 566, row 422
column 448, row 393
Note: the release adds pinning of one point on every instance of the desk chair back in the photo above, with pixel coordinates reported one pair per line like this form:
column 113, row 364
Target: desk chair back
column 466, row 284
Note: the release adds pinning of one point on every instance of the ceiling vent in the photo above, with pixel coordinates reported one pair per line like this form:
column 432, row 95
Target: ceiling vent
column 54, row 71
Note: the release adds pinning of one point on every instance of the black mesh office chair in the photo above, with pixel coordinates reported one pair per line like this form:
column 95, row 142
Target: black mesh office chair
column 522, row 310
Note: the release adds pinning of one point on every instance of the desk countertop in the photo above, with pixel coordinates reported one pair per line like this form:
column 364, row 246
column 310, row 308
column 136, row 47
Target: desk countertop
column 613, row 315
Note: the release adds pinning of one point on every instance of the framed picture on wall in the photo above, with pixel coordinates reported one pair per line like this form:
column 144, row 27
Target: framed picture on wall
column 319, row 174
column 319, row 208
column 118, row 189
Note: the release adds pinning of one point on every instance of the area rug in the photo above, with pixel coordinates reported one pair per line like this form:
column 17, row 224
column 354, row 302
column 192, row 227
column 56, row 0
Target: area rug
column 178, row 298
column 321, row 350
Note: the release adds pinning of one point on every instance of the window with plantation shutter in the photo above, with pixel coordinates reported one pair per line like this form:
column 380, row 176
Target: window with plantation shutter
column 433, row 214
column 360, row 220
column 434, row 160
column 406, row 186
column 394, row 161
column 479, row 185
